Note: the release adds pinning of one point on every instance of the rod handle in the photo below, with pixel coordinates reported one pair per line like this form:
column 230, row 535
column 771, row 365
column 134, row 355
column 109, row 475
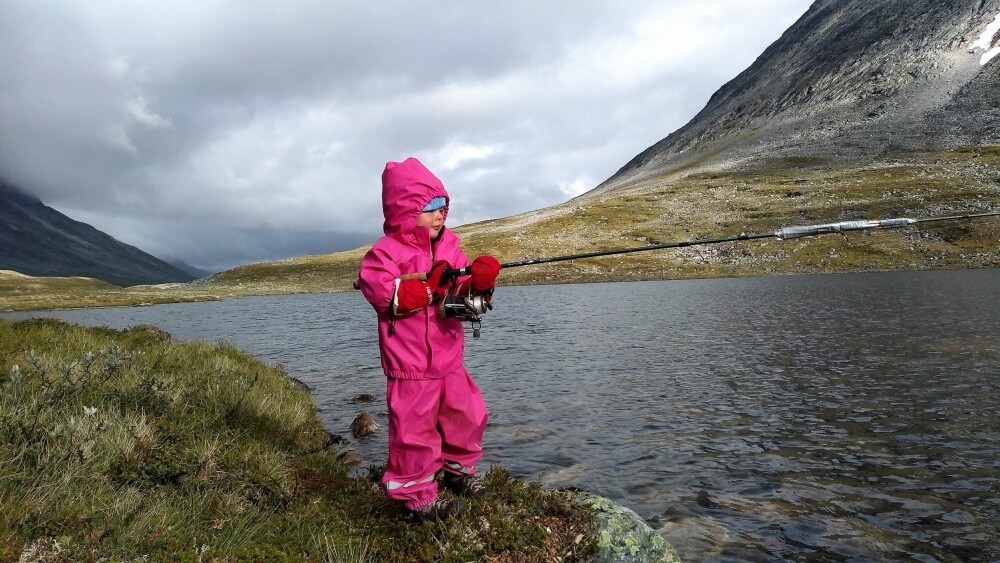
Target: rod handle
column 455, row 273
column 448, row 274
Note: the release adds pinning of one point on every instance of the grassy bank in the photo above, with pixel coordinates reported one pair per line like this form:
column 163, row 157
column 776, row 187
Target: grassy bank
column 19, row 292
column 126, row 444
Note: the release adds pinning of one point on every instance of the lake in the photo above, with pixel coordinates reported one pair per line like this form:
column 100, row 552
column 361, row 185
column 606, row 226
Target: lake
column 840, row 417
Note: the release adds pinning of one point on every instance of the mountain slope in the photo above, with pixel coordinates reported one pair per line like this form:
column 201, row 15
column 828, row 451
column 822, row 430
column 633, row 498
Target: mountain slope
column 851, row 80
column 198, row 273
column 39, row 241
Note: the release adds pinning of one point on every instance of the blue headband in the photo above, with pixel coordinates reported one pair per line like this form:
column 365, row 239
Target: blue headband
column 435, row 204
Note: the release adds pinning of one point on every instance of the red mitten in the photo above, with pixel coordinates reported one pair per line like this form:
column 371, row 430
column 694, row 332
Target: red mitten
column 484, row 270
column 412, row 296
column 439, row 287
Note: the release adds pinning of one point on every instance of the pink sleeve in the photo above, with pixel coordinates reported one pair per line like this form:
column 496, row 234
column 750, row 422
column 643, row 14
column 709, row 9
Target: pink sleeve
column 379, row 275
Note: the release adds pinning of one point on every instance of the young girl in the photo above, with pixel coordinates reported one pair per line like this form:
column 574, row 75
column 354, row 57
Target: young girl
column 436, row 413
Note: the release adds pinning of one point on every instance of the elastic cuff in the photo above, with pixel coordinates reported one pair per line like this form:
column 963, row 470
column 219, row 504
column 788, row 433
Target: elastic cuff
column 415, row 505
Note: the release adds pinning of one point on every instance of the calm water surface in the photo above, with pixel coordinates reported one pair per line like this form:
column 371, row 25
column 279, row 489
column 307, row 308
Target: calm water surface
column 848, row 417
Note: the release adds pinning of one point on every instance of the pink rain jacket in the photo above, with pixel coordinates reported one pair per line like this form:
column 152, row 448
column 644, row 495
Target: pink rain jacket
column 419, row 346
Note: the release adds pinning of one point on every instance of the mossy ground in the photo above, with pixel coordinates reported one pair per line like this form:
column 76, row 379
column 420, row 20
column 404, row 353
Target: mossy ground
column 776, row 194
column 121, row 445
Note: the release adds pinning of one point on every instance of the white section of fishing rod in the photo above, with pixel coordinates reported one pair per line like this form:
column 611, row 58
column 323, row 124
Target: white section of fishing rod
column 843, row 226
column 865, row 224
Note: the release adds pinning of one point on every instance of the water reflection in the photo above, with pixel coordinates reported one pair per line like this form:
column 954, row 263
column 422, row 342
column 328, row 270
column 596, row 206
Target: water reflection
column 829, row 417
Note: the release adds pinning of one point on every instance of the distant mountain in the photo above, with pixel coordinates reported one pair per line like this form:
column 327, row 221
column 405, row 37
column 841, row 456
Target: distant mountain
column 39, row 241
column 198, row 273
column 850, row 81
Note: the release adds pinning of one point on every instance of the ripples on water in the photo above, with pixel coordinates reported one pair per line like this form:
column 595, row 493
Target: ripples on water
column 829, row 417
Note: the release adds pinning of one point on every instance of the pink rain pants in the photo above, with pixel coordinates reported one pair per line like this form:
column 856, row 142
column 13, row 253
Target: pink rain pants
column 433, row 424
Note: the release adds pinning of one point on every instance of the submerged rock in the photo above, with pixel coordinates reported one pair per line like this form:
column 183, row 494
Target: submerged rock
column 300, row 384
column 351, row 458
column 363, row 425
column 702, row 535
column 624, row 537
column 568, row 477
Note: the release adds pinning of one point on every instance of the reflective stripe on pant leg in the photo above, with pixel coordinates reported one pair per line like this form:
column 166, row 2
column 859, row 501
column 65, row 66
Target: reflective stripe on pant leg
column 392, row 485
column 414, row 441
column 457, row 468
column 416, row 494
column 462, row 421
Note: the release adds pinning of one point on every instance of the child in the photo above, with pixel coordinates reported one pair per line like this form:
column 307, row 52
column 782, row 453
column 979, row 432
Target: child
column 436, row 413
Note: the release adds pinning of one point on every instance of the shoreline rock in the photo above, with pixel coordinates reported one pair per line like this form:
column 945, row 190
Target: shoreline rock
column 623, row 536
column 363, row 425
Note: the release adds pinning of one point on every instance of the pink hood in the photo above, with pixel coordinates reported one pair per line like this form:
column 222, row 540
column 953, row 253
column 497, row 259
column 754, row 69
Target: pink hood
column 407, row 187
column 420, row 345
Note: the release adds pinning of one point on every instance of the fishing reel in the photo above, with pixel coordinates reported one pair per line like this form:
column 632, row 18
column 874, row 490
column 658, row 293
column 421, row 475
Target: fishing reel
column 465, row 306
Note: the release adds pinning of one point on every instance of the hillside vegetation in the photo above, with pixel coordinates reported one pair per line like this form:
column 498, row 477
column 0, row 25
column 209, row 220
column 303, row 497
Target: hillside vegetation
column 791, row 192
column 783, row 193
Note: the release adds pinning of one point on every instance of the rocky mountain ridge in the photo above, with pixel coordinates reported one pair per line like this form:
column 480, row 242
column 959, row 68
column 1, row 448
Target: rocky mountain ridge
column 849, row 81
column 39, row 241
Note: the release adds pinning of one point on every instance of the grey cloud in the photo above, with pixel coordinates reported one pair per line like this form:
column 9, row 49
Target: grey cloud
column 170, row 125
column 234, row 247
column 217, row 247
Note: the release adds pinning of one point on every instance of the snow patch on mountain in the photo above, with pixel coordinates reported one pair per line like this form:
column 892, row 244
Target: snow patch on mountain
column 985, row 42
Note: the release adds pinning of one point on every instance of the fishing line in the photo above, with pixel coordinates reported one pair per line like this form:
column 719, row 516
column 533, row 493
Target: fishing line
column 783, row 233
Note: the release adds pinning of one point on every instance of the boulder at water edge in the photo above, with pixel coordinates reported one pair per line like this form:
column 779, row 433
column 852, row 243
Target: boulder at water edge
column 624, row 537
column 363, row 425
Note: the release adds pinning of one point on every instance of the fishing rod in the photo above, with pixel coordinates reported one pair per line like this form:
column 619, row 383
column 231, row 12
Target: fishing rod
column 469, row 307
column 784, row 233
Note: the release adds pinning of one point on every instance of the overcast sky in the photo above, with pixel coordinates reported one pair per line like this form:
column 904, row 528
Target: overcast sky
column 226, row 132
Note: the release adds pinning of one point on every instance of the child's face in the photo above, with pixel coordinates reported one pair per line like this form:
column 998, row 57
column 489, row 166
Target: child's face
column 433, row 221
